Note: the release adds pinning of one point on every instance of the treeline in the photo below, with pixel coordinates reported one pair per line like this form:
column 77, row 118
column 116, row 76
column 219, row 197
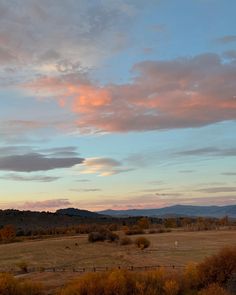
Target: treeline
column 214, row 276
column 13, row 230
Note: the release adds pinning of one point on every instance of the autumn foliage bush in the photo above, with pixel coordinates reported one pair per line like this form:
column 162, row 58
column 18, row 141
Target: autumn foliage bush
column 171, row 287
column 213, row 289
column 103, row 235
column 135, row 230
column 11, row 286
column 194, row 280
column 218, row 268
column 142, row 242
column 7, row 234
column 117, row 282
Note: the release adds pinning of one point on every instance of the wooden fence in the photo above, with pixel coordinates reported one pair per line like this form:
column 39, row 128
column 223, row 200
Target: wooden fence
column 96, row 268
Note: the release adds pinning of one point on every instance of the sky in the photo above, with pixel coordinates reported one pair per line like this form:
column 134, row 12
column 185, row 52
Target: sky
column 117, row 104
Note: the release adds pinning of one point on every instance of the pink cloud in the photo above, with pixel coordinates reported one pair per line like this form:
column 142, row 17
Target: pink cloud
column 49, row 205
column 181, row 93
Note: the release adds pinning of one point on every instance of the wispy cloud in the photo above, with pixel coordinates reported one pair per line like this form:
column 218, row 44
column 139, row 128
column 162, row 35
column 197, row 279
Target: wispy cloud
column 82, row 180
column 66, row 37
column 85, row 190
column 226, row 39
column 229, row 173
column 208, row 151
column 103, row 166
column 37, row 178
column 220, row 189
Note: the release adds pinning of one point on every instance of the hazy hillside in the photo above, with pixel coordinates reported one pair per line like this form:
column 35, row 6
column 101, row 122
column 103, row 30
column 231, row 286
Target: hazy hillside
column 78, row 212
column 180, row 210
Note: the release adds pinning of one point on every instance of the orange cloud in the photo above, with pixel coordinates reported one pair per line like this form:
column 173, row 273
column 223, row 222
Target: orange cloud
column 80, row 95
column 182, row 93
column 88, row 97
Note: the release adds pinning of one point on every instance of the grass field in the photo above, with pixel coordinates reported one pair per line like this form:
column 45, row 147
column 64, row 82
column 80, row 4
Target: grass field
column 69, row 252
column 63, row 252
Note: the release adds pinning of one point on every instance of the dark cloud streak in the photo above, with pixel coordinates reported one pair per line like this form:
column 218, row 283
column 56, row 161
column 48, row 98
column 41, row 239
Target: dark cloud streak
column 36, row 178
column 36, row 162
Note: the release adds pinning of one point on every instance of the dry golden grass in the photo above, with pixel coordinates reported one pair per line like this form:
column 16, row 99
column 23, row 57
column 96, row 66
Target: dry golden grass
column 63, row 252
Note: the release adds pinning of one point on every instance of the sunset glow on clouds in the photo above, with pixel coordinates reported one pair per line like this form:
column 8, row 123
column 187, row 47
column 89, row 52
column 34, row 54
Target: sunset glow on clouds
column 165, row 94
column 120, row 89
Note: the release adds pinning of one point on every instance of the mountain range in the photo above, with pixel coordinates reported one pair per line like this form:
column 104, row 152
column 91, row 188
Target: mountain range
column 177, row 210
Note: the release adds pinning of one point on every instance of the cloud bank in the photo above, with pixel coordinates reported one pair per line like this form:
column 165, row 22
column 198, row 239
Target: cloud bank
column 180, row 93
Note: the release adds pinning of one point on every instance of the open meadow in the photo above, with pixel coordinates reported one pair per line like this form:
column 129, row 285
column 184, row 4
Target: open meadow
column 76, row 252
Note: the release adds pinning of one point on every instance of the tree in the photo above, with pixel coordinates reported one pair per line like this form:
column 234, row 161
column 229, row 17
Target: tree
column 143, row 223
column 7, row 233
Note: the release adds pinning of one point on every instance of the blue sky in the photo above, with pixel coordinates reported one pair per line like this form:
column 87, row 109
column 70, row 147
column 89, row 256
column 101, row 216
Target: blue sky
column 117, row 104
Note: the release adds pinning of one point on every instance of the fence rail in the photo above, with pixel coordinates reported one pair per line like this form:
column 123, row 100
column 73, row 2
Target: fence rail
column 95, row 268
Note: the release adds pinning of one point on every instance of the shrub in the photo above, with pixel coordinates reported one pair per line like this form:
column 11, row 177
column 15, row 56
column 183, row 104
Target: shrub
column 7, row 233
column 218, row 268
column 120, row 282
column 30, row 288
column 96, row 237
column 112, row 237
column 213, row 289
column 142, row 242
column 171, row 287
column 103, row 235
column 113, row 227
column 159, row 231
column 190, row 276
column 89, row 284
column 135, row 230
column 143, row 223
column 117, row 282
column 8, row 285
column 126, row 241
column 11, row 286
column 152, row 282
